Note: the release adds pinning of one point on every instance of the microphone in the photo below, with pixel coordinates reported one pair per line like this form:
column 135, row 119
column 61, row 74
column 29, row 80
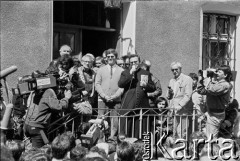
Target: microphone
column 6, row 116
column 4, row 73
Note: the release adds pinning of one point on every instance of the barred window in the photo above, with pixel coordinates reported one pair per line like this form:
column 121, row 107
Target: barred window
column 218, row 46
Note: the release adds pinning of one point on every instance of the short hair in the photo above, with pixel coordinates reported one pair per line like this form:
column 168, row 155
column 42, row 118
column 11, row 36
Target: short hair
column 16, row 147
column 87, row 56
column 99, row 58
column 124, row 57
column 179, row 65
column 194, row 76
column 160, row 99
column 104, row 53
column 91, row 56
column 60, row 146
column 71, row 139
column 99, row 151
column 227, row 71
column 139, row 150
column 78, row 152
column 112, row 51
column 35, row 155
column 64, row 46
column 147, row 62
column 135, row 55
column 125, row 151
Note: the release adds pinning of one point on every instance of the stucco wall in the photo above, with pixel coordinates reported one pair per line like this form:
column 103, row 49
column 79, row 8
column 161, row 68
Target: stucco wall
column 26, row 29
column 167, row 32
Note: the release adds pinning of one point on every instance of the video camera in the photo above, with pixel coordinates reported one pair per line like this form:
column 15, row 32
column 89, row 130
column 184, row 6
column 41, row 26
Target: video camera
column 36, row 81
column 209, row 73
column 95, row 133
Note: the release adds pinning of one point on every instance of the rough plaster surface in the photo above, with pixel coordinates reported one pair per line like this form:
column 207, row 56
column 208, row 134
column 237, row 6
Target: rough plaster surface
column 26, row 29
column 167, row 32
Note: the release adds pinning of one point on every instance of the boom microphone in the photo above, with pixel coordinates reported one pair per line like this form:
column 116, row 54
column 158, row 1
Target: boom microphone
column 4, row 73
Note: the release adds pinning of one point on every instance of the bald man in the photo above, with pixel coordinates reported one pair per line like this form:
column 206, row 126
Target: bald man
column 158, row 92
column 65, row 49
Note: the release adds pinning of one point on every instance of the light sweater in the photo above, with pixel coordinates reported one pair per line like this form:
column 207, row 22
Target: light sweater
column 107, row 85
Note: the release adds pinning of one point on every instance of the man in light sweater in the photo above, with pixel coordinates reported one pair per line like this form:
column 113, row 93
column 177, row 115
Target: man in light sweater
column 106, row 84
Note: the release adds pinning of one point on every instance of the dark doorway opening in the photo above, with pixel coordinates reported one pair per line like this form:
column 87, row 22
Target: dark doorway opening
column 86, row 26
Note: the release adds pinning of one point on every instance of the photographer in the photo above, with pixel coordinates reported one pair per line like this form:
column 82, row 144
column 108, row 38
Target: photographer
column 217, row 98
column 41, row 104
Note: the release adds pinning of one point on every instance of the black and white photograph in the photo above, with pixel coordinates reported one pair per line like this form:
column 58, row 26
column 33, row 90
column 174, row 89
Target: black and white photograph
column 120, row 80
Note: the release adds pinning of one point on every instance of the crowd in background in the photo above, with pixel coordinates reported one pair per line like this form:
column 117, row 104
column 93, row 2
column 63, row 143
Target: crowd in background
column 108, row 83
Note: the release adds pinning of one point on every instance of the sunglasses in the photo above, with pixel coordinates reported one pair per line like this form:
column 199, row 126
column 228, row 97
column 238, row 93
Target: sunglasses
column 174, row 69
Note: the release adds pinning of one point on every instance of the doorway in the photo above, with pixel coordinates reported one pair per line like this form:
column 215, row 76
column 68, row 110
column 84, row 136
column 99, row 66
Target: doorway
column 86, row 26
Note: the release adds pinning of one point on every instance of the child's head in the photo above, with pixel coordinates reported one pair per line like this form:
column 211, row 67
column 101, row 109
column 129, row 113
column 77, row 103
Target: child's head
column 161, row 103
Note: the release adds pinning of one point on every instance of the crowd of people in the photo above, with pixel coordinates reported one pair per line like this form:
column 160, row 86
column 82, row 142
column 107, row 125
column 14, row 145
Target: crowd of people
column 109, row 86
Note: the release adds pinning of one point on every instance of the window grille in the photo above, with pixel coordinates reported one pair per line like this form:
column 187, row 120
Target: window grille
column 218, row 40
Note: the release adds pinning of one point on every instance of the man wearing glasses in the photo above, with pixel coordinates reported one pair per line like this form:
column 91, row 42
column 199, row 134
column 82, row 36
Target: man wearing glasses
column 179, row 94
column 107, row 87
column 137, row 82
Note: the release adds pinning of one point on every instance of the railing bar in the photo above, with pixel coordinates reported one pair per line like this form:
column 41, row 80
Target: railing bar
column 126, row 125
column 154, row 130
column 133, row 121
column 180, row 127
column 140, row 124
column 148, row 129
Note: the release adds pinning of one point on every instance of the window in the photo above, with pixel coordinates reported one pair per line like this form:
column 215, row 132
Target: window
column 218, row 46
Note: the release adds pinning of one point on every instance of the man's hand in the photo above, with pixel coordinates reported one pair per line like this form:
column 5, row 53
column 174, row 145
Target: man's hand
column 84, row 93
column 177, row 108
column 143, row 83
column 67, row 94
column 108, row 98
column 228, row 123
column 133, row 69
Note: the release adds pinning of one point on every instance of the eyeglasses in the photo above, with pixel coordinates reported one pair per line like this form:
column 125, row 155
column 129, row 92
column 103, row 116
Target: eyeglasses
column 110, row 56
column 174, row 70
column 133, row 62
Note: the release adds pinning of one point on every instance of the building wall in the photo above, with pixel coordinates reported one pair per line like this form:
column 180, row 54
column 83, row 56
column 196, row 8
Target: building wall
column 167, row 32
column 26, row 31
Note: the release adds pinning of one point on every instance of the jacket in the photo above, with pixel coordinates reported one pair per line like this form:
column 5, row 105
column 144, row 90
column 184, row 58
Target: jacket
column 41, row 106
column 107, row 85
column 135, row 96
column 218, row 95
column 182, row 93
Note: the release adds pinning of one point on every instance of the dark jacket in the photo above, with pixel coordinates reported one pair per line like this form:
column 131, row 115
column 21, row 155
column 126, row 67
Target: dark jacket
column 41, row 107
column 135, row 95
column 218, row 95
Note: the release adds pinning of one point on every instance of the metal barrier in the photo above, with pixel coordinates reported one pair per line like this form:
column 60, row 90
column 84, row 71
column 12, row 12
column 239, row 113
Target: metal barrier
column 147, row 117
